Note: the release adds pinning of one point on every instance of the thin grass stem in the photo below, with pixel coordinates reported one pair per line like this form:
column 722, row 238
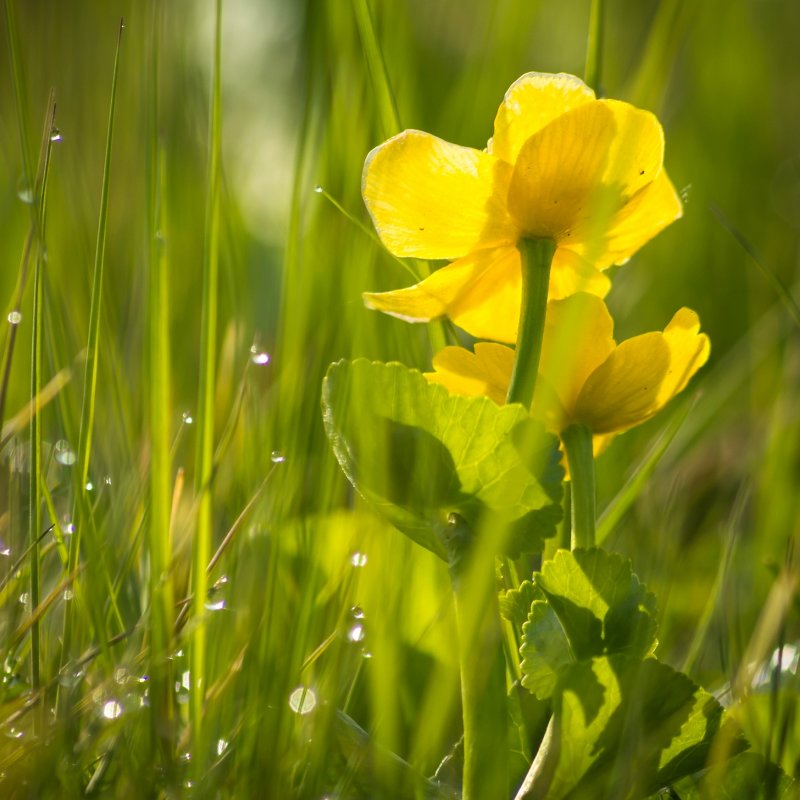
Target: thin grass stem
column 577, row 441
column 594, row 48
column 205, row 449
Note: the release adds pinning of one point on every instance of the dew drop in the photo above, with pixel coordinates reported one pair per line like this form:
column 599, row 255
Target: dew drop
column 258, row 356
column 302, row 700
column 366, row 654
column 64, row 453
column 55, row 135
column 217, row 605
column 25, row 193
column 68, row 528
column 187, row 418
column 318, row 189
column 68, row 594
column 358, row 559
column 14, row 733
column 186, row 680
column 4, row 550
column 357, row 612
column 112, row 709
column 222, row 746
column 24, row 598
column 356, row 634
column 14, row 317
column 277, row 457
column 89, row 486
column 107, row 480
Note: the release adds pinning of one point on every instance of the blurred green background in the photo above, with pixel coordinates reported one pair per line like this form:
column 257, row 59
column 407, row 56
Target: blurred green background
column 302, row 105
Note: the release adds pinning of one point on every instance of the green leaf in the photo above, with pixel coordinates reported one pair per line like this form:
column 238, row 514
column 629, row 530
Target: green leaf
column 748, row 776
column 629, row 727
column 419, row 454
column 591, row 604
column 515, row 604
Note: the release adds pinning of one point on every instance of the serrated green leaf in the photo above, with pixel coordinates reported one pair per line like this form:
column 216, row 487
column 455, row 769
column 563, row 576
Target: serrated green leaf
column 593, row 605
column 515, row 604
column 629, row 727
column 419, row 454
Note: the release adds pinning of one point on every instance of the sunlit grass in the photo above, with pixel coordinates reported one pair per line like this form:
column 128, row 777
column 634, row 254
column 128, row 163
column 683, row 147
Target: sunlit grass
column 116, row 463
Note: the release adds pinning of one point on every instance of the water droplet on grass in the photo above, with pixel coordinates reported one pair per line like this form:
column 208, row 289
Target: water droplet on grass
column 4, row 550
column 258, row 356
column 89, row 486
column 24, row 192
column 14, row 317
column 318, row 189
column 222, row 746
column 187, row 418
column 302, row 700
column 216, row 605
column 68, row 594
column 277, row 457
column 356, row 633
column 24, row 598
column 357, row 612
column 55, row 135
column 358, row 559
column 64, row 453
column 112, row 709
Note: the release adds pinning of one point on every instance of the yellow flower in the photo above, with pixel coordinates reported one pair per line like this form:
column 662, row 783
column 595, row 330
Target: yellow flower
column 584, row 375
column 561, row 165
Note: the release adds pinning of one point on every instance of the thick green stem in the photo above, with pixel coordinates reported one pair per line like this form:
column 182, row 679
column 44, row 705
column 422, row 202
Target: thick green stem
column 577, row 441
column 536, row 256
column 482, row 664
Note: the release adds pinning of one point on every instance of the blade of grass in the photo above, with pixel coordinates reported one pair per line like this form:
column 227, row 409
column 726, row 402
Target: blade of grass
column 159, row 403
column 205, row 450
column 767, row 271
column 633, row 487
column 594, row 47
column 82, row 511
column 390, row 122
column 36, row 477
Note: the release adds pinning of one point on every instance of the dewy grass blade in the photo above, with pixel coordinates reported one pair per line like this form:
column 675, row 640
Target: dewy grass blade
column 159, row 401
column 205, row 405
column 36, row 477
column 82, row 513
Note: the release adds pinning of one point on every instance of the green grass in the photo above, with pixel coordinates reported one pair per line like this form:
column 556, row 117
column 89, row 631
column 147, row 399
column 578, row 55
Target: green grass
column 135, row 662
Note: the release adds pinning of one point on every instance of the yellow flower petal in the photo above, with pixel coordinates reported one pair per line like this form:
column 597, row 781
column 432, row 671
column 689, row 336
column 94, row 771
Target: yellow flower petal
column 432, row 199
column 689, row 350
column 575, row 175
column 571, row 273
column 649, row 211
column 485, row 372
column 623, row 391
column 559, row 169
column 531, row 102
column 481, row 292
column 578, row 338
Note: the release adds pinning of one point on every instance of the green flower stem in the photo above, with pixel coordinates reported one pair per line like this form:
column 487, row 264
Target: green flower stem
column 536, row 256
column 482, row 665
column 577, row 441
